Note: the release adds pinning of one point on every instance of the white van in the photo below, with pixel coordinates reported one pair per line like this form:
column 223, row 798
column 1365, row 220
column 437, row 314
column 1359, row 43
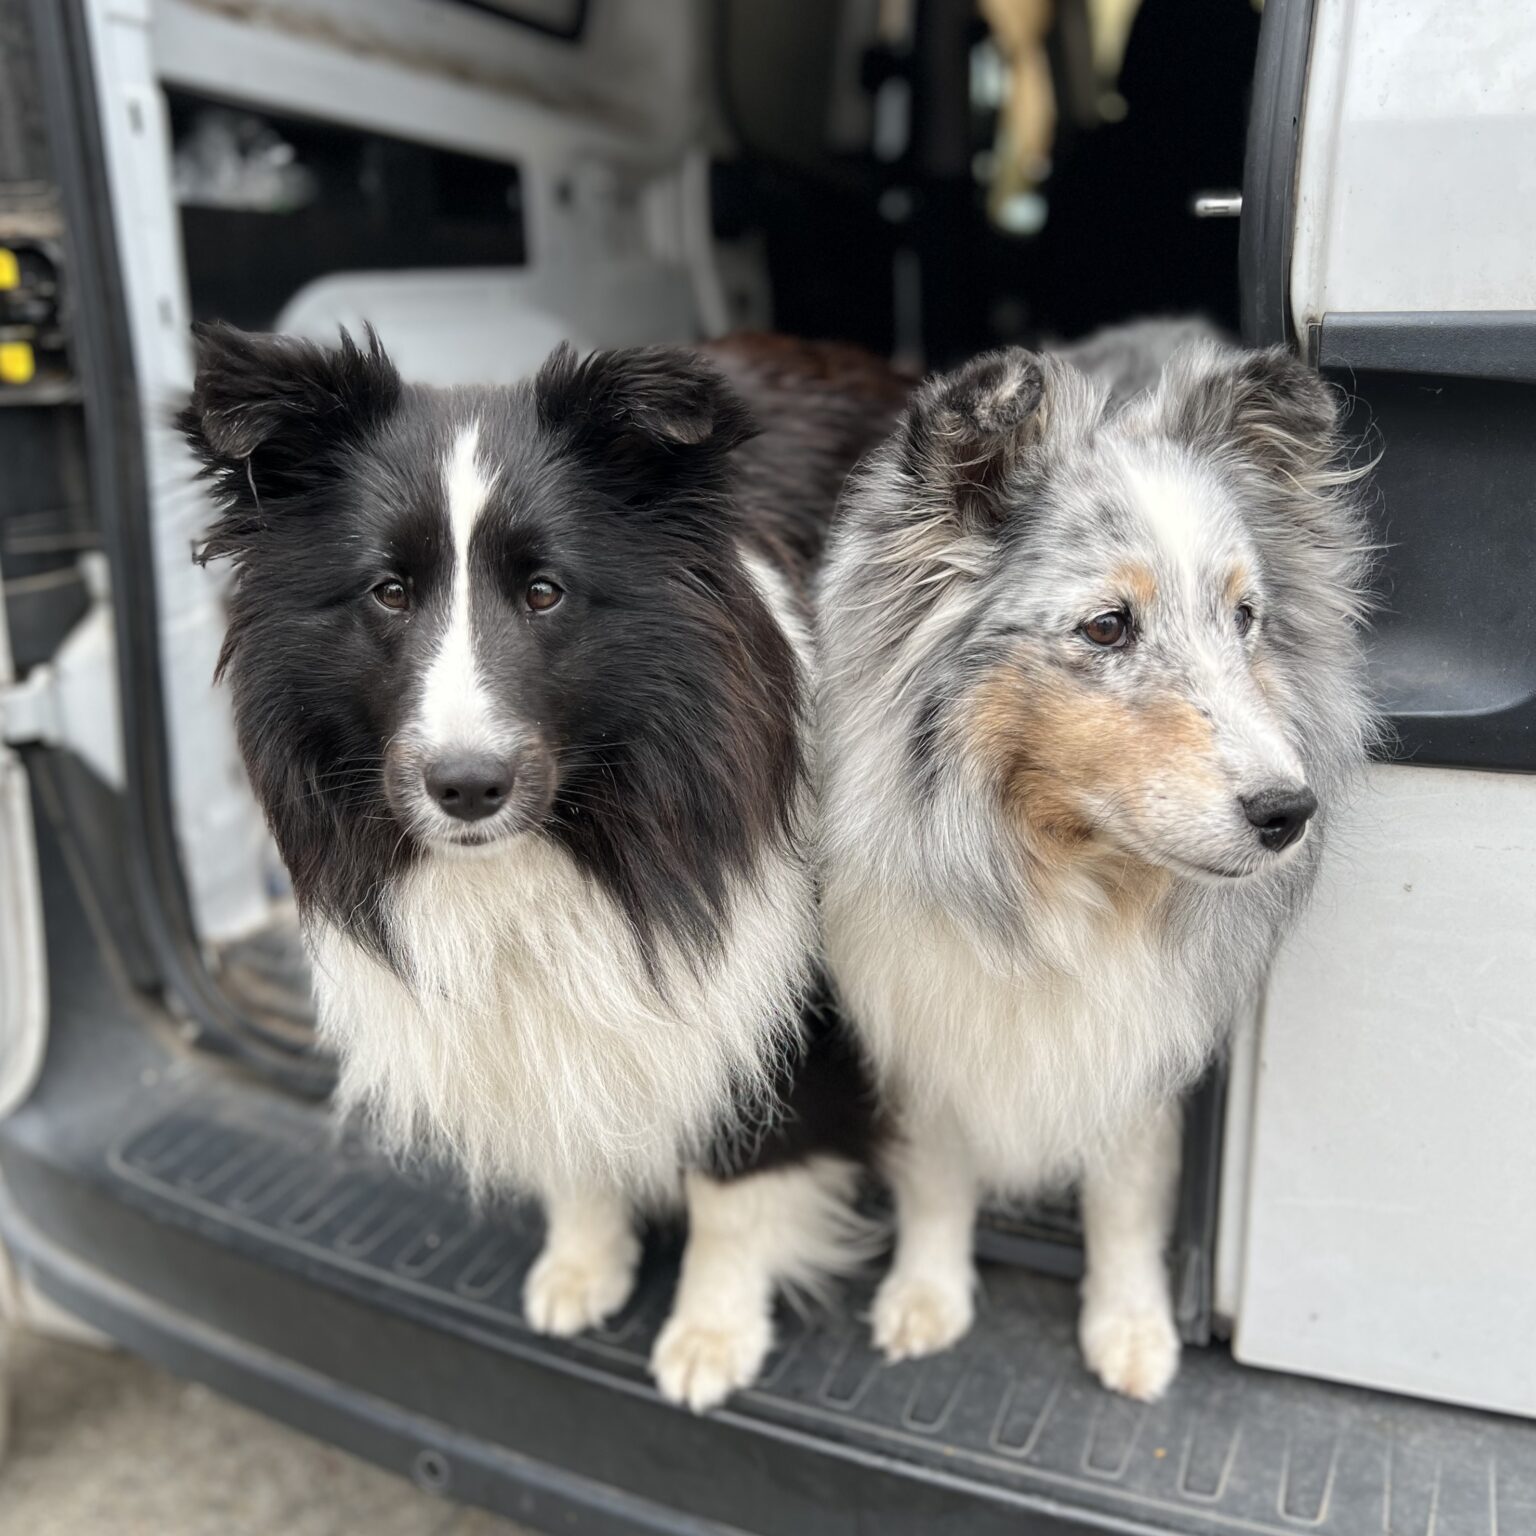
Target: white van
column 1356, row 1249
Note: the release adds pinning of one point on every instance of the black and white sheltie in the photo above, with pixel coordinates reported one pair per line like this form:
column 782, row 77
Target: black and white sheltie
column 1093, row 688
column 521, row 680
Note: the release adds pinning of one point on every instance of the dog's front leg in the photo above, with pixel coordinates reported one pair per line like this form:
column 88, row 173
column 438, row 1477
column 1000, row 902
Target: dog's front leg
column 1126, row 1326
column 927, row 1301
column 587, row 1267
column 791, row 1226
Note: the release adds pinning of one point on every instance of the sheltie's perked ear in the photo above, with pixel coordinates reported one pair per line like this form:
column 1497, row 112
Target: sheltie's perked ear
column 1266, row 407
column 965, row 431
column 1275, row 427
column 968, row 436
column 271, row 417
column 653, row 422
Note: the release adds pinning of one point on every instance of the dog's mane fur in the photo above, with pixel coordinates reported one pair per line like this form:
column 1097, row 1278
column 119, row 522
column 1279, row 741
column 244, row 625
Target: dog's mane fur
column 621, row 986
column 928, row 881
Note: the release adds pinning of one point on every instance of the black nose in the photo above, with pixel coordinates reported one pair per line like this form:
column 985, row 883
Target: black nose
column 1280, row 815
column 470, row 788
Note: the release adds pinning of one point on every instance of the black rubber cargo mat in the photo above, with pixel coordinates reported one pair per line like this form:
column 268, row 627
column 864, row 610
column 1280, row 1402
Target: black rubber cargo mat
column 1011, row 1411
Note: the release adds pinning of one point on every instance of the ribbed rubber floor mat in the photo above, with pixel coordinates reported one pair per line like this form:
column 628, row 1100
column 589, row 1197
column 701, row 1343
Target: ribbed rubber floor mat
column 1229, row 1450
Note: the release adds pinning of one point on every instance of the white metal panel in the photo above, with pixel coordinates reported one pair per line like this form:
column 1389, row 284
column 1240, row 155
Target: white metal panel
column 222, row 837
column 1391, row 1222
column 1417, row 181
column 446, row 75
column 71, row 701
column 494, row 326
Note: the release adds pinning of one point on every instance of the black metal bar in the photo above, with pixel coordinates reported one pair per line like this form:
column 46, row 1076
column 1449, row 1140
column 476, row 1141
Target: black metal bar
column 1269, row 172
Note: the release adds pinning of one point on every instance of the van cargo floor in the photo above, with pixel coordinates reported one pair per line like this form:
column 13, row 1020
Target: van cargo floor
column 388, row 1283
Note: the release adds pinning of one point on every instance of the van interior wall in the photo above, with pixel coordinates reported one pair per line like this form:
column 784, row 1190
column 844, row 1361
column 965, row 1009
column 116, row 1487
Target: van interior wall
column 870, row 232
column 270, row 203
column 860, row 233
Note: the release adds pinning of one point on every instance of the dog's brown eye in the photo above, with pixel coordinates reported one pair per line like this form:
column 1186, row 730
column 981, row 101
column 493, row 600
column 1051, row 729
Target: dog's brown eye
column 392, row 594
column 1108, row 630
column 1244, row 618
column 543, row 595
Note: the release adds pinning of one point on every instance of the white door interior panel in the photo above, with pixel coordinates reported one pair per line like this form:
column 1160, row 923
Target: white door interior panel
column 1391, row 1229
column 1417, row 181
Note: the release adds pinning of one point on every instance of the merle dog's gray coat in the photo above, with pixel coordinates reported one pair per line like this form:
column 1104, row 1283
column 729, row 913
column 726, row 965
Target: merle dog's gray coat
column 1043, row 897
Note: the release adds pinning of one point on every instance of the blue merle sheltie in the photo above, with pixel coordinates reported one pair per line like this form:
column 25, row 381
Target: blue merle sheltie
column 1092, row 692
column 521, row 679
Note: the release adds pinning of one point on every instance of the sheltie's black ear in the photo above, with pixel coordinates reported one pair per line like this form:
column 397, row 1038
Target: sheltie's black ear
column 652, row 420
column 269, row 414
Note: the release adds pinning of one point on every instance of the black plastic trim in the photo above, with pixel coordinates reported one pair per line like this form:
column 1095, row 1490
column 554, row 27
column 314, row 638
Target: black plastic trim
column 432, row 1454
column 114, row 439
column 299, row 1356
column 1192, row 1257
column 1269, row 172
column 1452, row 642
column 1463, row 344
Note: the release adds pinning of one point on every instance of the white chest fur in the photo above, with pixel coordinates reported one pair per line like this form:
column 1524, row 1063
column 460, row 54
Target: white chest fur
column 1035, row 1066
column 532, row 1047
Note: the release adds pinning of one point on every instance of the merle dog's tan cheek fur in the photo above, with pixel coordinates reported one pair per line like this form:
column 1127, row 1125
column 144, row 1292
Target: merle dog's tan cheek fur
column 1055, row 747
column 1019, row 725
column 1239, row 584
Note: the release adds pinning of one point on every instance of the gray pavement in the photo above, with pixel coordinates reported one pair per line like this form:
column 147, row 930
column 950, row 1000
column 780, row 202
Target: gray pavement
column 102, row 1444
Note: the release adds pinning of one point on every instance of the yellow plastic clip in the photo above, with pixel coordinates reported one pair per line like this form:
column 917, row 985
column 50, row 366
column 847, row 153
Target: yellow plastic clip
column 18, row 362
column 10, row 269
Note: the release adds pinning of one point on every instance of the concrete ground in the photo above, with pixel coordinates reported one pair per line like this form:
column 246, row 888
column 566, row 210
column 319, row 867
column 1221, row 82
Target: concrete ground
column 102, row 1444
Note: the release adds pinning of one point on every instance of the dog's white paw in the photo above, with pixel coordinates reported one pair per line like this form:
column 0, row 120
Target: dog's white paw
column 699, row 1365
column 1131, row 1349
column 915, row 1315
column 566, row 1292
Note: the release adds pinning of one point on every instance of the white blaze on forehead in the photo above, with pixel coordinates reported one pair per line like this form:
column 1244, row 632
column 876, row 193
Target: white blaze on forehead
column 1193, row 534
column 455, row 707
column 467, row 487
column 1170, row 505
